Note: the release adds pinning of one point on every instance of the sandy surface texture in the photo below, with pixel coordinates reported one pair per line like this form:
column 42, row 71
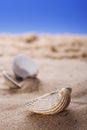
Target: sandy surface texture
column 62, row 62
column 45, row 46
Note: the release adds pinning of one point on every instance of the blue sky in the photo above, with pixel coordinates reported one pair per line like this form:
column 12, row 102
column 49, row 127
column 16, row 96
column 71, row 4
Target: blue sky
column 43, row 16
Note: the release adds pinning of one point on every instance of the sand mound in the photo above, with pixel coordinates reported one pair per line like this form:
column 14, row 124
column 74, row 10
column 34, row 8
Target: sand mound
column 53, row 47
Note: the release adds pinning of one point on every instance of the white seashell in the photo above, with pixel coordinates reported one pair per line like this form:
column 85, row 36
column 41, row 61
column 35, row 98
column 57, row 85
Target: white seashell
column 24, row 67
column 51, row 103
column 11, row 82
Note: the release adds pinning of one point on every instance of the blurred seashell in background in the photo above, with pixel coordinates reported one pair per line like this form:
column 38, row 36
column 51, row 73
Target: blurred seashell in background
column 24, row 67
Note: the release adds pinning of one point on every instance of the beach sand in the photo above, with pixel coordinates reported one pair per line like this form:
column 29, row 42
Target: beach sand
column 62, row 62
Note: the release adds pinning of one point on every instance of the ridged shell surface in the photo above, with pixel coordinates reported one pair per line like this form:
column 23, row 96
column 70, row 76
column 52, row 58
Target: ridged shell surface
column 51, row 103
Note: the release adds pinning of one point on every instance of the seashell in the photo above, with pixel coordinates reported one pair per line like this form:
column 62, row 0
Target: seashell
column 51, row 103
column 12, row 83
column 24, row 67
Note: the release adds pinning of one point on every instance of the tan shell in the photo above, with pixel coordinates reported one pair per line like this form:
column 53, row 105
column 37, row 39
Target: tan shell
column 51, row 103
